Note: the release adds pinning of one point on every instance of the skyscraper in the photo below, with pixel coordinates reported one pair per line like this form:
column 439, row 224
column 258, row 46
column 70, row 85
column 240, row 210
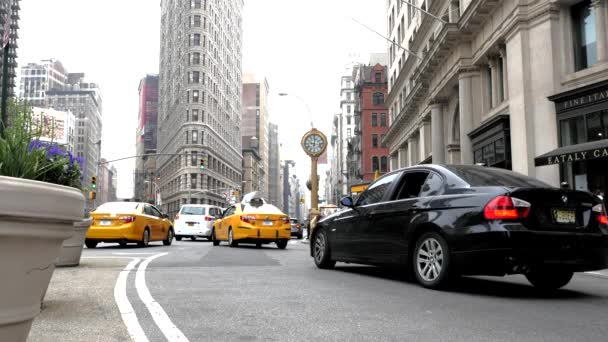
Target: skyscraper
column 200, row 102
column 9, row 10
column 256, row 124
column 274, row 167
column 38, row 78
column 146, row 140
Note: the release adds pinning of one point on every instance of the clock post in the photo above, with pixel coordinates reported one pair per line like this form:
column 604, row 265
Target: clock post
column 314, row 144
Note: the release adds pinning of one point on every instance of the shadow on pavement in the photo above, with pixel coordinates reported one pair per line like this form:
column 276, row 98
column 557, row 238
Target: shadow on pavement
column 491, row 287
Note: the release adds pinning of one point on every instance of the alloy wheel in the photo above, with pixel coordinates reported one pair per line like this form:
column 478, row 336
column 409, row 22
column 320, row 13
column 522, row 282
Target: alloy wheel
column 429, row 259
column 319, row 250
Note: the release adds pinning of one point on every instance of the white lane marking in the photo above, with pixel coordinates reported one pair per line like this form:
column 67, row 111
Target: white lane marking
column 124, row 306
column 162, row 320
column 133, row 253
column 108, row 257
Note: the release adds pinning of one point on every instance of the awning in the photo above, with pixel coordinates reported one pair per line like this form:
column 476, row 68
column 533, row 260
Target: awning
column 591, row 150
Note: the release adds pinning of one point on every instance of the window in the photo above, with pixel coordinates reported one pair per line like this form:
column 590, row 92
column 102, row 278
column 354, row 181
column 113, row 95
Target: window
column 195, row 115
column 195, row 4
column 348, row 96
column 156, row 212
column 195, row 137
column 348, row 118
column 411, row 184
column 374, row 119
column 376, row 191
column 195, row 77
column 375, row 164
column 194, row 158
column 378, row 98
column 433, row 185
column 584, row 34
column 195, row 58
column 348, row 133
column 195, row 21
column 195, row 96
column 378, row 77
column 193, row 180
column 196, row 39
column 383, row 164
column 187, row 115
column 348, row 109
column 375, row 140
column 187, row 135
column 383, row 120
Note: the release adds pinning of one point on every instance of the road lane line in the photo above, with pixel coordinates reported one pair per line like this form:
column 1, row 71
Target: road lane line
column 124, row 306
column 160, row 317
column 133, row 253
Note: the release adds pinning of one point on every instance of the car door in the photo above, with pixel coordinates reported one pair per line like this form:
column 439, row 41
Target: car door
column 163, row 225
column 355, row 236
column 151, row 221
column 225, row 223
column 388, row 222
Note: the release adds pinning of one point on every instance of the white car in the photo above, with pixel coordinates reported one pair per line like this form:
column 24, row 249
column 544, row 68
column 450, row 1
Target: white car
column 195, row 220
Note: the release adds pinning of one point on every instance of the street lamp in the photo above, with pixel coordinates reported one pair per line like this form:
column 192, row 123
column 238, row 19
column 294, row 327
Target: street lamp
column 304, row 102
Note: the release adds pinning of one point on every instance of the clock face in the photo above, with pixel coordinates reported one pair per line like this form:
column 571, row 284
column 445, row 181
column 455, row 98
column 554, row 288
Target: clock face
column 314, row 144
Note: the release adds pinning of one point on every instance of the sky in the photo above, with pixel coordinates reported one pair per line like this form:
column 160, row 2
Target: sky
column 301, row 47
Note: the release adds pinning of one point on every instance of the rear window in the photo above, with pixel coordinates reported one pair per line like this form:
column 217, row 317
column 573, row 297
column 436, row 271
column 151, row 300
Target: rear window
column 193, row 211
column 488, row 176
column 294, row 221
column 117, row 207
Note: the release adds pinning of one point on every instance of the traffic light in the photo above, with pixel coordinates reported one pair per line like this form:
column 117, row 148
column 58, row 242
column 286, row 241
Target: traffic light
column 202, row 164
column 94, row 183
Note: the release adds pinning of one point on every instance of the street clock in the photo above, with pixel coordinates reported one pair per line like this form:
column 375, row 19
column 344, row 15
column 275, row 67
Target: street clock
column 314, row 143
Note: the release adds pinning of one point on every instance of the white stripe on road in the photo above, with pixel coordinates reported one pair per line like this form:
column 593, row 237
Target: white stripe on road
column 134, row 253
column 162, row 320
column 124, row 306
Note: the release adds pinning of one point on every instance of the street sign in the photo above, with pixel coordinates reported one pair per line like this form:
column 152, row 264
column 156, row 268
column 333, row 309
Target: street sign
column 6, row 36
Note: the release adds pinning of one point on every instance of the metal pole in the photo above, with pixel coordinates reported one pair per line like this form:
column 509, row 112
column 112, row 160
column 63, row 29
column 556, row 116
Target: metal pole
column 425, row 12
column 314, row 193
column 5, row 78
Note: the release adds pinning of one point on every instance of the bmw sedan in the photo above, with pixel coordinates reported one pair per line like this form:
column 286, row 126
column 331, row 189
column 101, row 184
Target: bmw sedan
column 446, row 221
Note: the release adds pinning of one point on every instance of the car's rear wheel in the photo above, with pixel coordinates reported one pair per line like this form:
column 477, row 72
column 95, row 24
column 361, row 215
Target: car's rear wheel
column 193, row 238
column 90, row 244
column 431, row 261
column 231, row 241
column 321, row 251
column 169, row 240
column 178, row 238
column 549, row 279
column 282, row 244
column 216, row 242
column 122, row 244
column 145, row 238
column 258, row 245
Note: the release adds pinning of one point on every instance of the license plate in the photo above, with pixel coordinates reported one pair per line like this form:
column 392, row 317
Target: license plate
column 564, row 216
column 105, row 223
column 267, row 223
column 190, row 224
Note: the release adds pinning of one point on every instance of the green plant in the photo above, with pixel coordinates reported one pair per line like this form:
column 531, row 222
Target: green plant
column 24, row 155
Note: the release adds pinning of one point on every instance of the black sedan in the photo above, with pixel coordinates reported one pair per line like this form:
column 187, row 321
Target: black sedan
column 446, row 221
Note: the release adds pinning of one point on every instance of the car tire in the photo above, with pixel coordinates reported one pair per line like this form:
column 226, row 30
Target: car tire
column 282, row 244
column 231, row 241
column 90, row 244
column 209, row 238
column 216, row 242
column 193, row 238
column 145, row 238
column 258, row 245
column 431, row 261
column 300, row 236
column 549, row 279
column 169, row 240
column 122, row 244
column 321, row 251
column 178, row 238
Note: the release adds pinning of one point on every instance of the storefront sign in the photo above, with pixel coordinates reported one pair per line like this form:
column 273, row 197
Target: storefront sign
column 581, row 101
column 572, row 157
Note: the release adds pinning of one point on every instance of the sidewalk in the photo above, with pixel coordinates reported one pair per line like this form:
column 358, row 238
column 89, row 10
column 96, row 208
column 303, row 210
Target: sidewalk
column 79, row 305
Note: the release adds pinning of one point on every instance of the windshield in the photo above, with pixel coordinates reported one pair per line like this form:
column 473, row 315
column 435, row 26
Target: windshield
column 117, row 207
column 193, row 211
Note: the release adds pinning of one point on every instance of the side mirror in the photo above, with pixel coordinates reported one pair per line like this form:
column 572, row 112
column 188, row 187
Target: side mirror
column 347, row 202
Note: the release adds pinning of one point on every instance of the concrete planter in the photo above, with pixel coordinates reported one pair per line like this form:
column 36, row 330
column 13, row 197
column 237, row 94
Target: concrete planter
column 35, row 219
column 72, row 247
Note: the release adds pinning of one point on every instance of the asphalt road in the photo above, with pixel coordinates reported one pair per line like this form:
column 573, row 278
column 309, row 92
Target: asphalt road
column 198, row 292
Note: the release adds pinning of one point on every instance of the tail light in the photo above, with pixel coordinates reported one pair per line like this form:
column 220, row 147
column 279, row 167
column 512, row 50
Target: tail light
column 176, row 217
column 298, row 226
column 208, row 218
column 285, row 219
column 506, row 208
column 602, row 218
column 127, row 219
column 248, row 218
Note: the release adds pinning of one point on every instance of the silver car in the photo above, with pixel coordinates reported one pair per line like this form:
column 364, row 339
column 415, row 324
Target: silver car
column 297, row 229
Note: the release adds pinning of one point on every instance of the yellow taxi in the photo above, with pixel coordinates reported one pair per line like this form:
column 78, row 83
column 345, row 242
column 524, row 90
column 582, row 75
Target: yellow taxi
column 125, row 222
column 252, row 221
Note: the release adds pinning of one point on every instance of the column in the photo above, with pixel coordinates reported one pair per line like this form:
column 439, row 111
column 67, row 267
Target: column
column 600, row 30
column 495, row 86
column 411, row 151
column 505, row 85
column 438, row 142
column 424, row 142
column 465, row 97
column 402, row 156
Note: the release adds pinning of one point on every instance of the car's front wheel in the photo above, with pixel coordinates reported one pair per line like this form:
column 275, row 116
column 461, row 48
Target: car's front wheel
column 282, row 244
column 321, row 251
column 549, row 279
column 431, row 261
column 216, row 242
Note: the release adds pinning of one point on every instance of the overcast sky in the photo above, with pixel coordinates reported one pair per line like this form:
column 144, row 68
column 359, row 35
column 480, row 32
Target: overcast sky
column 301, row 47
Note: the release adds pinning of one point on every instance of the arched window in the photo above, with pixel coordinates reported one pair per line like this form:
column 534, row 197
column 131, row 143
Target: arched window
column 383, row 164
column 378, row 98
column 375, row 164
